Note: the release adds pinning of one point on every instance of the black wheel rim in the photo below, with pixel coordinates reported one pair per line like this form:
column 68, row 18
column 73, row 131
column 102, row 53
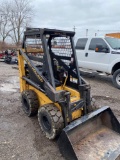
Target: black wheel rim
column 46, row 123
column 118, row 79
column 26, row 105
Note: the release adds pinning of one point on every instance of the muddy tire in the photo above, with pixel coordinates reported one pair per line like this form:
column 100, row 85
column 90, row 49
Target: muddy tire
column 30, row 103
column 50, row 120
column 116, row 79
column 93, row 106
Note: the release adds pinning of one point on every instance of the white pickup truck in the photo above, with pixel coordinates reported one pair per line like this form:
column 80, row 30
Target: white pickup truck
column 100, row 54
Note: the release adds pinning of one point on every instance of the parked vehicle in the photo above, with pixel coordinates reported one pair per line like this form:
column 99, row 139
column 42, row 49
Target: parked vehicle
column 100, row 54
column 2, row 55
column 10, row 57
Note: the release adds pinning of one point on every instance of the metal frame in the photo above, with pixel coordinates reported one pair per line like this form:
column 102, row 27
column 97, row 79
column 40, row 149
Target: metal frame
column 48, row 87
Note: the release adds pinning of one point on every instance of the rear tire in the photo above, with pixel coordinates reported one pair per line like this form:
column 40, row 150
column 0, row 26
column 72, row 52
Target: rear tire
column 116, row 78
column 50, row 120
column 30, row 102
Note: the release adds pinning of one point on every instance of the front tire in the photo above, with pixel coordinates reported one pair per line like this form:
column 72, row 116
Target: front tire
column 116, row 78
column 50, row 120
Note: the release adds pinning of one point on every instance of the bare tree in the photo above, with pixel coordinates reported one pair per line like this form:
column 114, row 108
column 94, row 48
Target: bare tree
column 5, row 27
column 15, row 15
column 20, row 14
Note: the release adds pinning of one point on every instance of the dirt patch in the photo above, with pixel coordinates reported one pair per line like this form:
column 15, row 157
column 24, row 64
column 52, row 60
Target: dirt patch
column 10, row 85
column 21, row 137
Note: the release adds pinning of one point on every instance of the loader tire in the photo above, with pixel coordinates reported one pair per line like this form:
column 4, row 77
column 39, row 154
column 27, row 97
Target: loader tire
column 30, row 102
column 50, row 120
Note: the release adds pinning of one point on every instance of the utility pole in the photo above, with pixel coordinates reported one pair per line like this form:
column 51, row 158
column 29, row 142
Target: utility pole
column 98, row 32
column 74, row 28
column 86, row 32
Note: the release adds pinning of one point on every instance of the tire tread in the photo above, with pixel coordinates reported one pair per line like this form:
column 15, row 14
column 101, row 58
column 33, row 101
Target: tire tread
column 56, row 119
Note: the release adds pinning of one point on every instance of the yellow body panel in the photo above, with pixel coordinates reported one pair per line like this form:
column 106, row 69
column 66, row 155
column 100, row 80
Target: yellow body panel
column 75, row 96
column 23, row 85
column 43, row 99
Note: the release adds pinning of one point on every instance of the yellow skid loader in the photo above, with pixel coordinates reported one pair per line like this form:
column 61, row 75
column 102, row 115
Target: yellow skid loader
column 51, row 86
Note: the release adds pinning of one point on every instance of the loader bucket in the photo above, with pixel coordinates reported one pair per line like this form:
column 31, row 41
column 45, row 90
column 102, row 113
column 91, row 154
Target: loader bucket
column 95, row 136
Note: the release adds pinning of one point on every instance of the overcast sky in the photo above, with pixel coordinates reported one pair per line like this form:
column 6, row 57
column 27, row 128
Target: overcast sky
column 94, row 15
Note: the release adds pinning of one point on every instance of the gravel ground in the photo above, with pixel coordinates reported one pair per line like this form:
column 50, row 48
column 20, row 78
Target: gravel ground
column 21, row 137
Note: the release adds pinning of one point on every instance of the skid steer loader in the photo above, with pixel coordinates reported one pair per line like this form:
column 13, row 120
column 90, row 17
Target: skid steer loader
column 51, row 86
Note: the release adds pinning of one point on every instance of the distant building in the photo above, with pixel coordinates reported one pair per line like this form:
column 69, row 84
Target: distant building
column 115, row 35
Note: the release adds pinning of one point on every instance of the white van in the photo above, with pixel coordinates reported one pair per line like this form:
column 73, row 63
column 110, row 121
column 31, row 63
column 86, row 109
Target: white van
column 100, row 54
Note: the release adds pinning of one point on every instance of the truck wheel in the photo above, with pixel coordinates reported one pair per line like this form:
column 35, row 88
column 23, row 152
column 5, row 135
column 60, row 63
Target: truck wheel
column 116, row 78
column 50, row 120
column 30, row 102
